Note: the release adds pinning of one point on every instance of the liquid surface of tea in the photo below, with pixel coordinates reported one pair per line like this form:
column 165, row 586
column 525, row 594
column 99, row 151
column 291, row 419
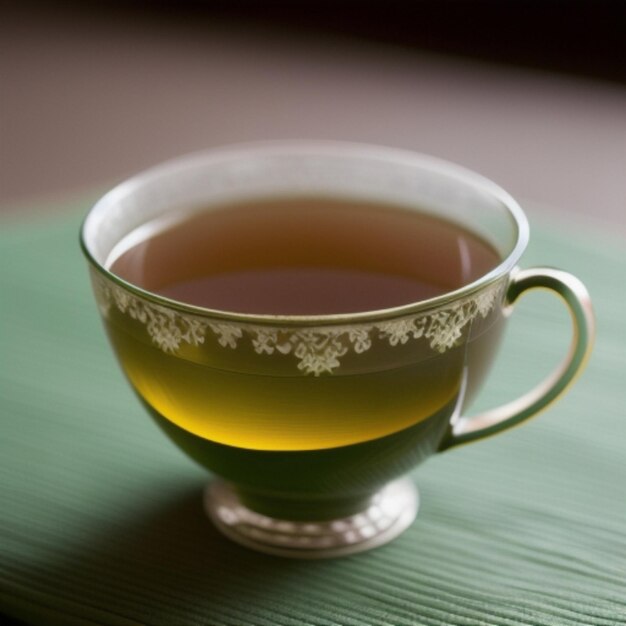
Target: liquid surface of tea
column 303, row 256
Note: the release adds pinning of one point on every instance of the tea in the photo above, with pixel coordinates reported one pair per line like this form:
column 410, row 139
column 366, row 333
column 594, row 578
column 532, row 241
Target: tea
column 301, row 256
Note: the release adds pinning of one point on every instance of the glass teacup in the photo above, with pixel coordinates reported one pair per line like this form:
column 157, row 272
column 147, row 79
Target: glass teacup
column 356, row 400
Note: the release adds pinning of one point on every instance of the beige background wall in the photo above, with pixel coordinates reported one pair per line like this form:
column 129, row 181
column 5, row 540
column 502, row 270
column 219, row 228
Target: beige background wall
column 86, row 101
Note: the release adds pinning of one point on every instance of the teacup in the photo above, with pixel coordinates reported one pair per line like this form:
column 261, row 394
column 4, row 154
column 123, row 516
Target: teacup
column 310, row 422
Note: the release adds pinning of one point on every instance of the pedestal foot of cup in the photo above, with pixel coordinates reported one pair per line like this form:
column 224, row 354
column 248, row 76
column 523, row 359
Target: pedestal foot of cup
column 389, row 512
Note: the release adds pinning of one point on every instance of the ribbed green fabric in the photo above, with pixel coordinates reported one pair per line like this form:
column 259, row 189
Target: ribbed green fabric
column 101, row 519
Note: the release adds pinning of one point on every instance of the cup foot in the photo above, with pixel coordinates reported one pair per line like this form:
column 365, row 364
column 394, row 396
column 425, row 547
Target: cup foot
column 389, row 512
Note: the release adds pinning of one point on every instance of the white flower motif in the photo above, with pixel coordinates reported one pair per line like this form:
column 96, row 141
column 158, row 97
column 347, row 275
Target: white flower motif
column 285, row 347
column 399, row 331
column 122, row 299
column 165, row 333
column 310, row 341
column 265, row 341
column 195, row 332
column 137, row 310
column 227, row 334
column 485, row 301
column 445, row 329
column 360, row 339
column 317, row 363
column 319, row 351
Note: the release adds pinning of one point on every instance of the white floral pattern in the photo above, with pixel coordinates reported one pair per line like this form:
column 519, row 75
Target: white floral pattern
column 317, row 350
column 166, row 328
column 227, row 334
column 400, row 331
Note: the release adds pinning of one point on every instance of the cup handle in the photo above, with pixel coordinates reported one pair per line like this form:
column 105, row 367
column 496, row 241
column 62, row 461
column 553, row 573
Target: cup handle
column 573, row 292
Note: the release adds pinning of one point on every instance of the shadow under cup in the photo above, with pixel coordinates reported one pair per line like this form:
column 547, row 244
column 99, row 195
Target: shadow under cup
column 330, row 410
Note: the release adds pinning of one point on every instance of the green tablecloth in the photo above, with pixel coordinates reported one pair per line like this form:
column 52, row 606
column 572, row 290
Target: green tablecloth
column 101, row 519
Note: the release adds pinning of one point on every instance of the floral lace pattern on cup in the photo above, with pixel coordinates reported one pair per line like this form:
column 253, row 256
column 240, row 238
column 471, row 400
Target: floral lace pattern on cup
column 317, row 350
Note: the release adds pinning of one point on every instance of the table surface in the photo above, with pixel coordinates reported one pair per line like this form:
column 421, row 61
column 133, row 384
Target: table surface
column 101, row 519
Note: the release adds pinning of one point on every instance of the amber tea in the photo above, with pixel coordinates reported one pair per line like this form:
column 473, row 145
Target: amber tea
column 296, row 256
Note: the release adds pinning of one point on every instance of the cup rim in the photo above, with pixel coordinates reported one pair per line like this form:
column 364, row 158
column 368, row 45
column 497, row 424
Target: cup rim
column 343, row 148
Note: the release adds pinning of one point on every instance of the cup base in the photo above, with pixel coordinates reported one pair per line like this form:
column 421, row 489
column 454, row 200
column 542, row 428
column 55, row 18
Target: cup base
column 389, row 512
